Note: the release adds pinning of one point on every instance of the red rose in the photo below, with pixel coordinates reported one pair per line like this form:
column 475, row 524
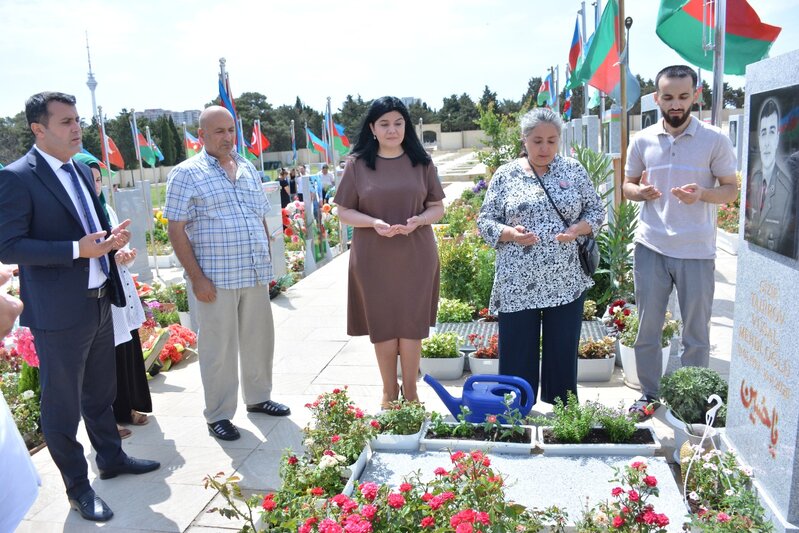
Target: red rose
column 428, row 521
column 405, row 487
column 293, row 460
column 618, row 521
column 616, row 491
column 317, row 491
column 650, row 481
column 633, row 495
column 395, row 500
column 269, row 502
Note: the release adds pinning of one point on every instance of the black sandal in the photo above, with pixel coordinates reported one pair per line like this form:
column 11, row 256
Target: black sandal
column 223, row 430
column 269, row 408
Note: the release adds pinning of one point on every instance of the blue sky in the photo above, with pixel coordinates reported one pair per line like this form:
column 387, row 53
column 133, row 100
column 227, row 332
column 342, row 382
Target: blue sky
column 165, row 54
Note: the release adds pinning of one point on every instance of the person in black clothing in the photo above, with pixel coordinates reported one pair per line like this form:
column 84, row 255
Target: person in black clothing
column 283, row 179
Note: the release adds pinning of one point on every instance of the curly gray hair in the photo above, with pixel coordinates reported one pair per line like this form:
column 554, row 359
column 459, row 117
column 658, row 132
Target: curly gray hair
column 538, row 116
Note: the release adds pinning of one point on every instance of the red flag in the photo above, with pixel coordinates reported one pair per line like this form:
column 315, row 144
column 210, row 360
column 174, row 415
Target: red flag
column 258, row 141
column 114, row 155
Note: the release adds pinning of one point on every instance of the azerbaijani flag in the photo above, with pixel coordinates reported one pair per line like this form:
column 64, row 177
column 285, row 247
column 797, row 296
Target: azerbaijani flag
column 790, row 122
column 86, row 157
column 157, row 151
column 192, row 144
column 546, row 92
column 145, row 150
column 314, row 143
column 567, row 104
column 601, row 66
column 576, row 48
column 226, row 97
column 114, row 156
column 340, row 142
column 747, row 39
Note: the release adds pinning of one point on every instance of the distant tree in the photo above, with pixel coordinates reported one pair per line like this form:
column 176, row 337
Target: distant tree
column 509, row 107
column 119, row 129
column 177, row 140
column 488, row 98
column 529, row 96
column 458, row 113
column 419, row 109
column 165, row 139
column 91, row 138
column 16, row 138
column 733, row 98
column 647, row 87
column 351, row 115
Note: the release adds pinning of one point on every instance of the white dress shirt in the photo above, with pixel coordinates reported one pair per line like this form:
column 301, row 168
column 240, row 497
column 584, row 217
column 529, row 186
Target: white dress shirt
column 96, row 275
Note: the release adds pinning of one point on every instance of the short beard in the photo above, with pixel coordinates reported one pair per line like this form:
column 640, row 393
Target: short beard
column 676, row 122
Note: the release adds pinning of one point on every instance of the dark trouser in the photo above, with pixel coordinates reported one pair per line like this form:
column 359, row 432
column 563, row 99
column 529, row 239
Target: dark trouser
column 519, row 339
column 77, row 371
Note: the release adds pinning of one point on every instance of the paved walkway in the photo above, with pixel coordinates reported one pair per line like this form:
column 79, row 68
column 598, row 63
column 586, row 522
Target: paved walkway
column 313, row 354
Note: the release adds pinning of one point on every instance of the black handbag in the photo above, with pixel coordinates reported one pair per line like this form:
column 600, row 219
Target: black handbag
column 587, row 250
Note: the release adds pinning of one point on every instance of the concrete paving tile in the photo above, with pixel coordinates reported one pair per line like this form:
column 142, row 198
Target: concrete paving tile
column 213, row 521
column 259, row 471
column 191, row 465
column 290, row 382
column 292, row 353
column 310, row 361
column 337, row 375
column 32, row 526
column 284, row 435
column 328, row 333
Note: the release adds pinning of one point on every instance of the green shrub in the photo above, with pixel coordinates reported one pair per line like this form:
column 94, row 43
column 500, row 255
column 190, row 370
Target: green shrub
column 29, row 380
column 441, row 346
column 402, row 418
column 454, row 311
column 619, row 423
column 483, row 281
column 572, row 422
column 686, row 391
column 457, row 269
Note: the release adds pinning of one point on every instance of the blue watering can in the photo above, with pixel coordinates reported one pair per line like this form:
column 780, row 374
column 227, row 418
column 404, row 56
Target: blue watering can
column 484, row 394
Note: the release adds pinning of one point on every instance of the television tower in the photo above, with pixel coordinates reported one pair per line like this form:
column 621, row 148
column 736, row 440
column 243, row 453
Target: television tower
column 91, row 82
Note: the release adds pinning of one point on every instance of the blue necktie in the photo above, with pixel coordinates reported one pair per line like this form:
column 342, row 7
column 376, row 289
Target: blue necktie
column 86, row 211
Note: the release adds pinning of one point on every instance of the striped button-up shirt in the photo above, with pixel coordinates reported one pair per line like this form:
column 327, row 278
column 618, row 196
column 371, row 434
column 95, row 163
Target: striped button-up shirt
column 225, row 219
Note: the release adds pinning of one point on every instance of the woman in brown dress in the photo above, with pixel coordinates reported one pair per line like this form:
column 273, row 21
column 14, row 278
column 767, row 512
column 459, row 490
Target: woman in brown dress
column 390, row 194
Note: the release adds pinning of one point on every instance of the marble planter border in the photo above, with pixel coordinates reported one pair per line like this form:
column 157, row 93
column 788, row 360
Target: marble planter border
column 397, row 443
column 727, row 241
column 446, row 369
column 357, row 469
column 467, row 445
column 595, row 370
column 483, row 366
column 645, row 450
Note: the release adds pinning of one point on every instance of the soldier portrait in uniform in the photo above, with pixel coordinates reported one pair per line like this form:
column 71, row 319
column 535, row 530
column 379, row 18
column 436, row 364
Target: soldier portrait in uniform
column 771, row 204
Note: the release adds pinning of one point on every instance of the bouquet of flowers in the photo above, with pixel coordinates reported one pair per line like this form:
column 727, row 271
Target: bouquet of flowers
column 294, row 220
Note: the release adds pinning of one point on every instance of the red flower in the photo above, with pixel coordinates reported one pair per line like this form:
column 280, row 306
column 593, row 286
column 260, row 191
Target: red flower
column 618, row 521
column 426, row 497
column 650, row 481
column 317, row 491
column 440, row 471
column 288, row 232
column 723, row 517
column 483, row 518
column 269, row 502
column 491, row 419
column 428, row 521
column 293, row 460
column 336, row 391
column 395, row 500
column 638, row 465
column 369, row 511
column 457, row 456
column 464, row 527
column 335, row 438
column 369, row 490
column 633, row 495
column 616, row 491
column 375, row 424
column 405, row 487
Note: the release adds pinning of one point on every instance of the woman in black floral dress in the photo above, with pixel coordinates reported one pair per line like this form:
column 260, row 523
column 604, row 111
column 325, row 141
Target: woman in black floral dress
column 538, row 281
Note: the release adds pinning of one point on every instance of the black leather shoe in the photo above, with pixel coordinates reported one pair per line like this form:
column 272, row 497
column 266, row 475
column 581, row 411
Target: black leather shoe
column 270, row 408
column 131, row 465
column 223, row 430
column 91, row 507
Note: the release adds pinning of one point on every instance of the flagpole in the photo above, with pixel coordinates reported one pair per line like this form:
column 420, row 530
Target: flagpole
column 136, row 145
column 584, row 51
column 293, row 145
column 307, row 148
column 333, row 152
column 104, row 153
column 150, row 144
column 556, row 83
column 699, row 86
column 597, row 17
column 185, row 148
column 623, row 90
column 260, row 145
column 718, row 63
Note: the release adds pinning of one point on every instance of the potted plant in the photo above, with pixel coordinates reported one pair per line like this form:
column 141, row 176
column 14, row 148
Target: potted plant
column 685, row 392
column 441, row 357
column 453, row 311
column 485, row 358
column 627, row 319
column 500, row 433
column 593, row 429
column 486, row 316
column 596, row 359
column 400, row 427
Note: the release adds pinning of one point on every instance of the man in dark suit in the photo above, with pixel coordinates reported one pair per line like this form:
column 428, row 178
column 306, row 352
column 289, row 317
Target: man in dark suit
column 53, row 227
column 770, row 220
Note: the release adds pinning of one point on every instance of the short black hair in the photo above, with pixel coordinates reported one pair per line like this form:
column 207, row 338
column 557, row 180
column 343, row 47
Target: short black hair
column 676, row 71
column 769, row 108
column 367, row 145
column 36, row 106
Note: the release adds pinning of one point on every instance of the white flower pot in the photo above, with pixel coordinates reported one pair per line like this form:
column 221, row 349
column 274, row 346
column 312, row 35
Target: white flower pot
column 467, row 445
column 646, row 450
column 595, row 370
column 356, row 469
column 397, row 443
column 447, row 369
column 628, row 363
column 483, row 366
column 693, row 433
column 185, row 319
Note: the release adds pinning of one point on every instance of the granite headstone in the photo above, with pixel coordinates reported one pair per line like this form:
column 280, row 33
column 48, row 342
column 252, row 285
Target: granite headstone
column 135, row 205
column 591, row 132
column 736, row 133
column 763, row 418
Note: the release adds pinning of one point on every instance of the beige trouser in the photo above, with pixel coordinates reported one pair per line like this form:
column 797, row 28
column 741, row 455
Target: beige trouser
column 239, row 321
